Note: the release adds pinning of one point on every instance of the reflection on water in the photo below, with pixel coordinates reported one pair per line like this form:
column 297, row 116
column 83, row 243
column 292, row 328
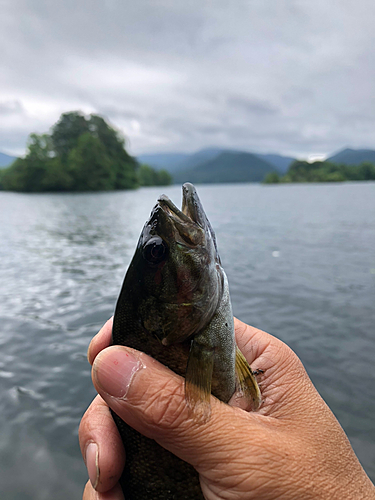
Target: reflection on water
column 301, row 264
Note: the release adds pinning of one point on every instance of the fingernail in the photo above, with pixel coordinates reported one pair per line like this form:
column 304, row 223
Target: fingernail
column 92, row 463
column 114, row 369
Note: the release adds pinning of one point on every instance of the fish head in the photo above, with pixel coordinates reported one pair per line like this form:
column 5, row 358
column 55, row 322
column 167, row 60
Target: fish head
column 180, row 269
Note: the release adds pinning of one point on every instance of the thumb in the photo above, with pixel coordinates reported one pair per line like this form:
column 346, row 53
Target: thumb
column 151, row 398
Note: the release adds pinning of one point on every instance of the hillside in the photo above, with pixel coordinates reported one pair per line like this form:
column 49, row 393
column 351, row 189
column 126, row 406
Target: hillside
column 282, row 163
column 175, row 162
column 167, row 161
column 198, row 158
column 228, row 166
column 6, row 160
column 353, row 156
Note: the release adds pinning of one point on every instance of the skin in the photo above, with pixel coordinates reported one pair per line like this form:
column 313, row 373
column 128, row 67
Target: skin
column 291, row 448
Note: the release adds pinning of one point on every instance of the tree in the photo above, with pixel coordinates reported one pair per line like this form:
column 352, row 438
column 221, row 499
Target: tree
column 89, row 165
column 164, row 178
column 148, row 176
column 57, row 177
column 71, row 126
column 324, row 171
column 366, row 171
column 66, row 132
column 27, row 174
column 124, row 166
column 14, row 178
column 39, row 147
column 81, row 154
column 272, row 178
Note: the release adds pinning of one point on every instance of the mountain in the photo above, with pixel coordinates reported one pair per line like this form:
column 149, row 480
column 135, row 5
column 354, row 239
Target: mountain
column 282, row 163
column 353, row 156
column 163, row 160
column 199, row 157
column 227, row 166
column 174, row 162
column 6, row 160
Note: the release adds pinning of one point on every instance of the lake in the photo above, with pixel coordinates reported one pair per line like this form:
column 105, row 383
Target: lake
column 301, row 265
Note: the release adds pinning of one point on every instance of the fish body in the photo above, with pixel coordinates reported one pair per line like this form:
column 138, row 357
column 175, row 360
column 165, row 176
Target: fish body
column 174, row 305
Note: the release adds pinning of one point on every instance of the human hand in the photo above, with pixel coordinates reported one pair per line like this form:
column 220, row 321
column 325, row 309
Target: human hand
column 292, row 447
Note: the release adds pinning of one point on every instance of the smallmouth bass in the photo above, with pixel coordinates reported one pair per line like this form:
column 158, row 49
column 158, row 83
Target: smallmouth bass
column 174, row 305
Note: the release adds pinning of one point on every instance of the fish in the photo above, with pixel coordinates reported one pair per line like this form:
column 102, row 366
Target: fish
column 175, row 306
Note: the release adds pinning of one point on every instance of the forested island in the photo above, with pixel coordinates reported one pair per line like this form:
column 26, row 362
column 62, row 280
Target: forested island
column 80, row 154
column 323, row 171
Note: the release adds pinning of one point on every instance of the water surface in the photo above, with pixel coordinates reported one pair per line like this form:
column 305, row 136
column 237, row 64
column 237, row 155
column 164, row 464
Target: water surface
column 301, row 265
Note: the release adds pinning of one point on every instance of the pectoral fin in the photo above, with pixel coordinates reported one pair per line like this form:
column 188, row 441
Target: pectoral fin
column 198, row 380
column 246, row 380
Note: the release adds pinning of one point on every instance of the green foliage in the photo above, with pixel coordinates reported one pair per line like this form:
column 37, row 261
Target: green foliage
column 90, row 166
column 123, row 165
column 15, row 177
column 151, row 177
column 39, row 148
column 66, row 132
column 365, row 171
column 272, row 178
column 164, row 178
column 324, row 171
column 57, row 178
column 81, row 154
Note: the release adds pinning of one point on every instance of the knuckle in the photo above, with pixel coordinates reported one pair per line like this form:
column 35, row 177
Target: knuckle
column 95, row 421
column 166, row 407
column 84, row 424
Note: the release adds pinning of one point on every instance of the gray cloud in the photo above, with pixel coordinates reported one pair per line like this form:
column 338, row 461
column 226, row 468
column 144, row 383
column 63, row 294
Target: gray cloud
column 295, row 78
column 8, row 108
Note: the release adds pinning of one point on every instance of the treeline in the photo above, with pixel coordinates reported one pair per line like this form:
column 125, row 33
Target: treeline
column 323, row 171
column 80, row 154
column 148, row 176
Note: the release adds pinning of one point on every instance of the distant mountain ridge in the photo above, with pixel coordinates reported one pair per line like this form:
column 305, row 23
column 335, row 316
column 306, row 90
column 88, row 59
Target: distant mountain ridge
column 228, row 166
column 163, row 160
column 181, row 162
column 282, row 163
column 198, row 158
column 218, row 165
column 6, row 160
column 350, row 156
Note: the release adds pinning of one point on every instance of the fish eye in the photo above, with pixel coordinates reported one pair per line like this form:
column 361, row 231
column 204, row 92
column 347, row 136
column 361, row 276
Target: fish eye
column 155, row 250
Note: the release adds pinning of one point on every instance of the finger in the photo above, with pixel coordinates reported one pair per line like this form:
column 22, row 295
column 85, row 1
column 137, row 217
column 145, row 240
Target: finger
column 151, row 399
column 284, row 383
column 265, row 352
column 101, row 446
column 100, row 341
column 254, row 343
column 91, row 494
column 251, row 341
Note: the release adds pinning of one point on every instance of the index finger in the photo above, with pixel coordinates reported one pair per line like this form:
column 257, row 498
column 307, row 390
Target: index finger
column 101, row 340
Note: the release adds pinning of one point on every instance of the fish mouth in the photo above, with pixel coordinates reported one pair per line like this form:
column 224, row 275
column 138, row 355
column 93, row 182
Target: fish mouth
column 191, row 220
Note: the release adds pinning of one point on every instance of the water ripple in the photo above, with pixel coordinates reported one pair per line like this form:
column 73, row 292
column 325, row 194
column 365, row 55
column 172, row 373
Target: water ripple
column 299, row 261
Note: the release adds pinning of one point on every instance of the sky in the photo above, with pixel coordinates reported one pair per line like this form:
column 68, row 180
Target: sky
column 294, row 77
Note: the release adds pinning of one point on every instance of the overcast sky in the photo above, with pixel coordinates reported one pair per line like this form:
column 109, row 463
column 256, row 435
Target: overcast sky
column 286, row 76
